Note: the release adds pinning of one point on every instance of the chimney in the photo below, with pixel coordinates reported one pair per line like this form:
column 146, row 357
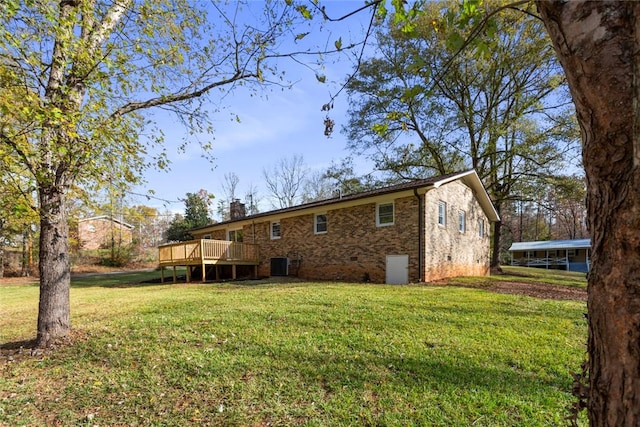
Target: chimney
column 236, row 210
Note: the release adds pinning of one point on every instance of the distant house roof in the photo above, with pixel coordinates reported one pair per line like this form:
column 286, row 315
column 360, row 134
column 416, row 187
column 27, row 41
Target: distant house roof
column 108, row 218
column 551, row 244
column 469, row 177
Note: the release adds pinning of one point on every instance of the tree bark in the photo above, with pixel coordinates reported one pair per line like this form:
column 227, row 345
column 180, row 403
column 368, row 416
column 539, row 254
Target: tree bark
column 55, row 277
column 497, row 235
column 596, row 43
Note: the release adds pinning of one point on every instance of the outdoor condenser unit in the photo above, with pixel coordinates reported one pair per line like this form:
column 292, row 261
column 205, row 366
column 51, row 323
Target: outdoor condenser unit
column 279, row 266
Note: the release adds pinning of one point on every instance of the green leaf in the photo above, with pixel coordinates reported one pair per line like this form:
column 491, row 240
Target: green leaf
column 304, row 11
column 301, row 36
column 455, row 41
column 380, row 128
column 338, row 43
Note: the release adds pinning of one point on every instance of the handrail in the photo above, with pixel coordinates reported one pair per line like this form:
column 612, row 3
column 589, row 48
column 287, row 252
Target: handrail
column 207, row 250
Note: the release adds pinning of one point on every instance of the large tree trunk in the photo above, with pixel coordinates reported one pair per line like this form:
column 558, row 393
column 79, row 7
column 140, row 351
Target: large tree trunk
column 597, row 44
column 55, row 278
column 497, row 234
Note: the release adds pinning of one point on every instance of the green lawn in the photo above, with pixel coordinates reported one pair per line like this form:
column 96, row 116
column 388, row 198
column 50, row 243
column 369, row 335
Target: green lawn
column 293, row 353
column 528, row 274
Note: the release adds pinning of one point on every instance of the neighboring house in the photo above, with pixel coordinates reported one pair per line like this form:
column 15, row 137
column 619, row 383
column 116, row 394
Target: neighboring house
column 412, row 232
column 570, row 255
column 102, row 231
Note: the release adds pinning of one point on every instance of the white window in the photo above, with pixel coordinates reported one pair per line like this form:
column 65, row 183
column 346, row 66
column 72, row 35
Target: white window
column 442, row 213
column 275, row 230
column 235, row 235
column 481, row 227
column 207, row 236
column 320, row 224
column 384, row 214
column 462, row 221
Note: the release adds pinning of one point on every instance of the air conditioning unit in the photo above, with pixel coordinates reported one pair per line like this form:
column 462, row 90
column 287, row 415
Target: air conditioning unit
column 279, row 266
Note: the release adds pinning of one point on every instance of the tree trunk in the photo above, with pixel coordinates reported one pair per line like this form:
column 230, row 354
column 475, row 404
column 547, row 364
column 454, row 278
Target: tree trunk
column 596, row 43
column 55, row 277
column 1, row 260
column 497, row 233
column 26, row 254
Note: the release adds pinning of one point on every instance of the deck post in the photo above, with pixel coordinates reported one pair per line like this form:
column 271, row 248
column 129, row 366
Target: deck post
column 217, row 273
column 161, row 274
column 233, row 271
column 546, row 259
column 188, row 273
column 255, row 271
column 175, row 279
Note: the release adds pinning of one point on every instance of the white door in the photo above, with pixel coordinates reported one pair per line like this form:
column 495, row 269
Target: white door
column 397, row 269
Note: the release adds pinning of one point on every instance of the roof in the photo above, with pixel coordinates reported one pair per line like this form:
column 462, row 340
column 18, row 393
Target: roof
column 108, row 218
column 469, row 177
column 551, row 244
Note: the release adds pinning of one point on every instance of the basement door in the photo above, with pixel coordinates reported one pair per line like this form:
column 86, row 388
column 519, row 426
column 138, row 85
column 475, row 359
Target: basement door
column 397, row 272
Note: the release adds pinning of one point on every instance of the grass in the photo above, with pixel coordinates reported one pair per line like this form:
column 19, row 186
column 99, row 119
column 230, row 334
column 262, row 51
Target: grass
column 528, row 274
column 293, row 353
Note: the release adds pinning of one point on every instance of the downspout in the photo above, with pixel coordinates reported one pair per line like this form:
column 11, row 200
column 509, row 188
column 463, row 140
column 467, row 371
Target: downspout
column 420, row 236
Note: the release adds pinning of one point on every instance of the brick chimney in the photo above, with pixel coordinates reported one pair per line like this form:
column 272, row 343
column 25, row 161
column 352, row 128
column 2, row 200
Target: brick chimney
column 237, row 210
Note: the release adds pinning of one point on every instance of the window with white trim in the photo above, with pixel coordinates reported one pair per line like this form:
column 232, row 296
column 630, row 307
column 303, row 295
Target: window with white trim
column 481, row 227
column 275, row 230
column 320, row 224
column 207, row 237
column 442, row 213
column 236, row 235
column 384, row 214
column 462, row 219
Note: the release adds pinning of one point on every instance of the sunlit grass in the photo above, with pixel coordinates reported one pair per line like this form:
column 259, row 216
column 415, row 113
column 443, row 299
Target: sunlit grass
column 300, row 353
column 528, row 274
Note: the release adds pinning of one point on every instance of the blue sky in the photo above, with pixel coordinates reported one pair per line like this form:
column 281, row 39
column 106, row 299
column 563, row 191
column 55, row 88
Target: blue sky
column 273, row 124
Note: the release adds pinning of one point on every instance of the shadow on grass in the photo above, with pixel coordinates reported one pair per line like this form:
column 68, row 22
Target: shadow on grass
column 405, row 374
column 125, row 279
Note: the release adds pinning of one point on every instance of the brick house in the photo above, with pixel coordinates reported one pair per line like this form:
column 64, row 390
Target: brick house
column 99, row 231
column 416, row 231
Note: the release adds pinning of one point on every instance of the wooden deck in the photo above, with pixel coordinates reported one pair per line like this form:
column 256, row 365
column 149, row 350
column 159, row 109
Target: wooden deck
column 200, row 253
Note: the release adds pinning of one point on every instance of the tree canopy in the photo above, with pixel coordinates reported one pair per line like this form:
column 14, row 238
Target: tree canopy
column 421, row 106
column 77, row 77
column 196, row 214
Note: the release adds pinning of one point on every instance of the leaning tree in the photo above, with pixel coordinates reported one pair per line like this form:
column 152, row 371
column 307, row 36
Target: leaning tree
column 596, row 43
column 78, row 77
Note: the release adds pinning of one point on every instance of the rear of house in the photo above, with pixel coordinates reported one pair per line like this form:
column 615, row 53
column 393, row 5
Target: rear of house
column 417, row 231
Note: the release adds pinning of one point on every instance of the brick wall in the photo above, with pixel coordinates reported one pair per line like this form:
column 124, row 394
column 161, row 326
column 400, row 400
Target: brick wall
column 355, row 249
column 448, row 252
column 97, row 233
column 352, row 249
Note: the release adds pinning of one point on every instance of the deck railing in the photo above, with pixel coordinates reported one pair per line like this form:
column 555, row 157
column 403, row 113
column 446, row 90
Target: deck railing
column 201, row 251
column 531, row 262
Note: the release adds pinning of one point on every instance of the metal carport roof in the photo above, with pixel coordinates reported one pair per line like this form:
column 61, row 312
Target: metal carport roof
column 551, row 245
